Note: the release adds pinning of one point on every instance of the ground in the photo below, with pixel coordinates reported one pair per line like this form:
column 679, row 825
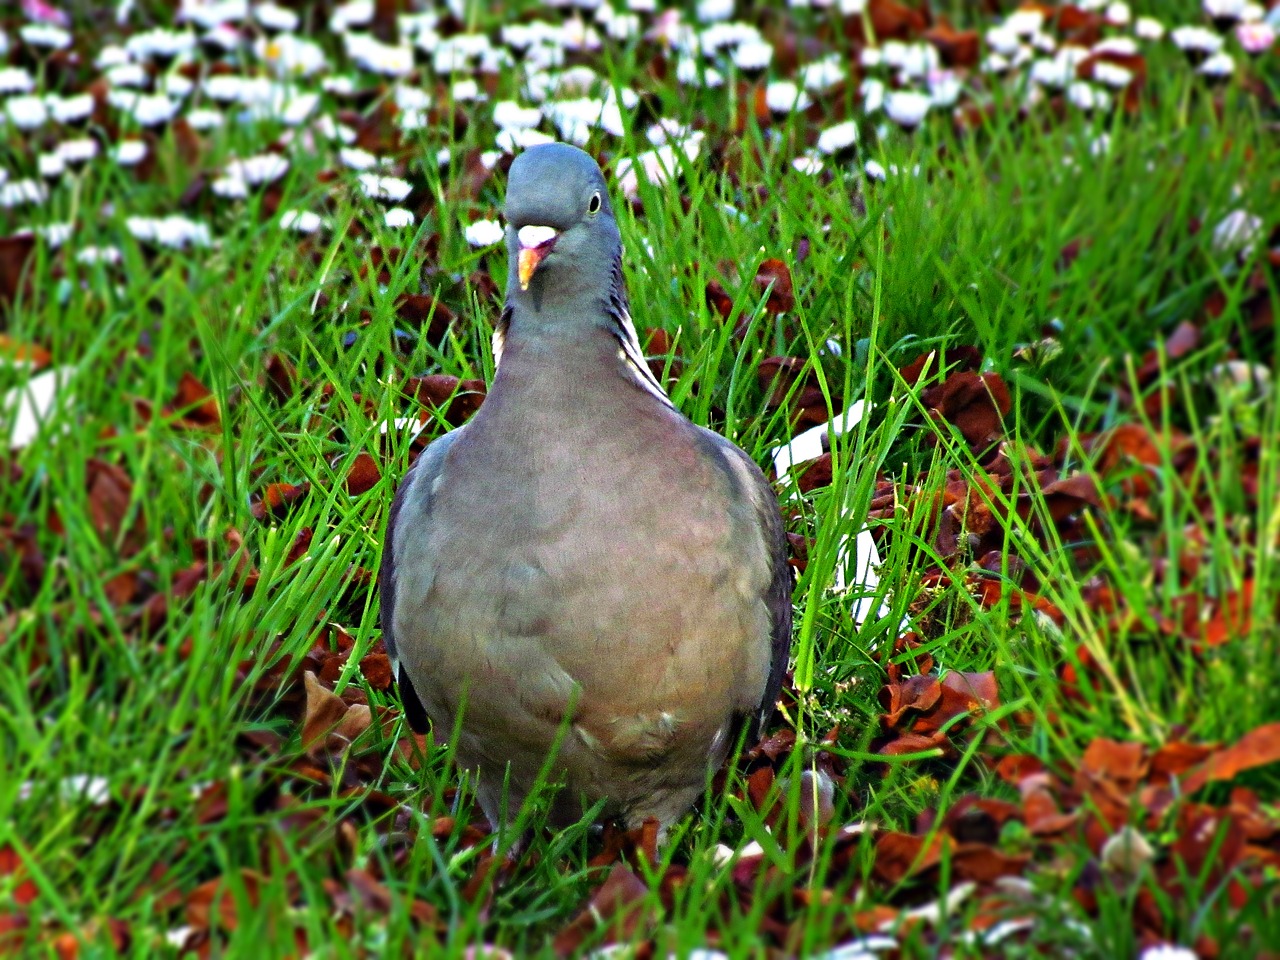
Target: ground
column 250, row 262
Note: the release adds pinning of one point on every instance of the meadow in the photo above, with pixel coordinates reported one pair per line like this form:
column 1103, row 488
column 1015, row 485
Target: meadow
column 250, row 264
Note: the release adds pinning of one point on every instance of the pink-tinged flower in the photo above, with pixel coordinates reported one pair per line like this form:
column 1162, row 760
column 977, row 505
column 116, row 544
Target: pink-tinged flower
column 41, row 12
column 944, row 87
column 1256, row 38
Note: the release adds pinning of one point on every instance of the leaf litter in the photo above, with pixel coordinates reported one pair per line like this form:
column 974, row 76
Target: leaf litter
column 1130, row 815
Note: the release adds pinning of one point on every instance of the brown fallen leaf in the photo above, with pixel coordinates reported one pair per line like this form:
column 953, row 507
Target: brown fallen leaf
column 276, row 498
column 899, row 855
column 15, row 256
column 775, row 276
column 110, row 491
column 1258, row 747
column 196, row 404
column 976, row 404
column 363, row 475
column 619, row 906
column 213, row 904
column 329, row 723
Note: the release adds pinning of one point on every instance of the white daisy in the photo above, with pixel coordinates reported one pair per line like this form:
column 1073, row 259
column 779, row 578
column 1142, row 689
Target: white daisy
column 301, row 221
column 16, row 80
column 783, row 96
column 26, row 112
column 129, row 153
column 483, row 233
column 398, row 217
column 44, row 35
column 273, row 17
column 384, row 188
column 205, row 118
column 907, row 108
column 78, row 151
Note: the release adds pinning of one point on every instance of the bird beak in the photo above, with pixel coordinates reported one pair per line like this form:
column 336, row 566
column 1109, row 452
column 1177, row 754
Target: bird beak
column 535, row 243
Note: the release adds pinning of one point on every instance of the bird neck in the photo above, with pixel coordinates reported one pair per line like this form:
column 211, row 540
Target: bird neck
column 569, row 348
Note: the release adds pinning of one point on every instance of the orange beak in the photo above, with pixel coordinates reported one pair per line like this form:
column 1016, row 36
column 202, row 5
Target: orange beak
column 535, row 243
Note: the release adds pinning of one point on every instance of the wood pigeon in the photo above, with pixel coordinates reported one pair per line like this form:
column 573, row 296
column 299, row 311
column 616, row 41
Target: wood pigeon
column 580, row 572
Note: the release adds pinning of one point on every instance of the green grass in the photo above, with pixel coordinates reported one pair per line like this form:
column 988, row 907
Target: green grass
column 192, row 719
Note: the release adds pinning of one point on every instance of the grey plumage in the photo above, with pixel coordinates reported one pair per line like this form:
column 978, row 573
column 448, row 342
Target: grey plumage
column 579, row 559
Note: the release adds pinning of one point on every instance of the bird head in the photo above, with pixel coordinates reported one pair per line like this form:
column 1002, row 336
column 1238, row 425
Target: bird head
column 562, row 238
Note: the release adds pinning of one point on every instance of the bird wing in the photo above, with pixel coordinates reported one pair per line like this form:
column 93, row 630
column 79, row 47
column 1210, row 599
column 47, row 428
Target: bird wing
column 416, row 486
column 751, row 483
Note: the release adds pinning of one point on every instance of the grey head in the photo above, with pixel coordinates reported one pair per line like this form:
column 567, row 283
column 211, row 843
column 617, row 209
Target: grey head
column 563, row 245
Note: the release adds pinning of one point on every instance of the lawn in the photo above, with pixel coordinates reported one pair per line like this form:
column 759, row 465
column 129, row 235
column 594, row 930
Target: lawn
column 250, row 263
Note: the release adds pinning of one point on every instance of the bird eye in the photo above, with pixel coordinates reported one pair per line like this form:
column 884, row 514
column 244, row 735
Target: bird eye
column 593, row 206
